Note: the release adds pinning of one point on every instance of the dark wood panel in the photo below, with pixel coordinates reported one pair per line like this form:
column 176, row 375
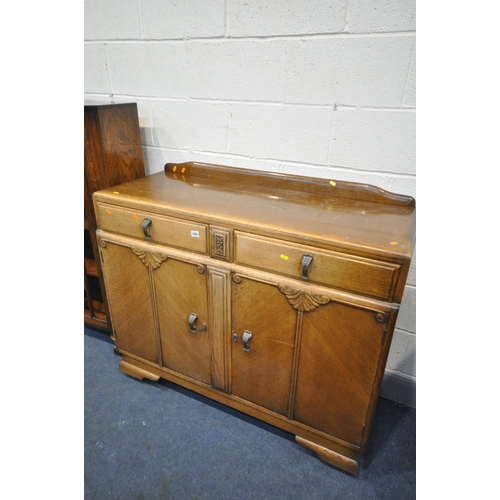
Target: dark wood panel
column 112, row 155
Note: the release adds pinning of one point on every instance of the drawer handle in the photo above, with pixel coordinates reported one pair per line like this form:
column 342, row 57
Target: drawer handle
column 306, row 262
column 191, row 320
column 145, row 228
column 246, row 338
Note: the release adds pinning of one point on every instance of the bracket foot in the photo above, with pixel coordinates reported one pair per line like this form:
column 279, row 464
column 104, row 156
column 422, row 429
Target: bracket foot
column 136, row 372
column 330, row 457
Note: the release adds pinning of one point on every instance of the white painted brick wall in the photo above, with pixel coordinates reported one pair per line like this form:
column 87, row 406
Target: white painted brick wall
column 324, row 88
column 280, row 132
column 356, row 71
column 242, row 70
column 148, row 69
column 284, row 17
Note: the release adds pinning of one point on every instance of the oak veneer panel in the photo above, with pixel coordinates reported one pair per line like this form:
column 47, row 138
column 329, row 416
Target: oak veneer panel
column 167, row 230
column 360, row 275
column 263, row 375
column 219, row 315
column 362, row 226
column 180, row 291
column 339, row 357
column 131, row 306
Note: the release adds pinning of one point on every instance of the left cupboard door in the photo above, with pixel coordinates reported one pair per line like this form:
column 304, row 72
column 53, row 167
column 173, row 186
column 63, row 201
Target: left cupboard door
column 129, row 278
column 182, row 298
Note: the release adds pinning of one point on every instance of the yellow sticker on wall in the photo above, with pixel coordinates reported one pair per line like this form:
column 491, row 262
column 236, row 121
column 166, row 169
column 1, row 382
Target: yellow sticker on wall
column 284, row 257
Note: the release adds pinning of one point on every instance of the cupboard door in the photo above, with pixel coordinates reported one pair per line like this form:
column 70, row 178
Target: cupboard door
column 339, row 356
column 262, row 366
column 128, row 287
column 181, row 293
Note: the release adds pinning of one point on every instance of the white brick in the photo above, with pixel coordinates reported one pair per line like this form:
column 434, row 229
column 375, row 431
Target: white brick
column 96, row 77
column 407, row 313
column 412, row 273
column 410, row 96
column 294, row 133
column 151, row 69
column 382, row 15
column 398, row 348
column 209, row 124
column 240, row 70
column 189, row 125
column 171, row 124
column 382, row 141
column 162, row 19
column 111, row 19
column 360, row 71
column 205, row 19
column 284, row 17
column 402, row 185
column 402, row 355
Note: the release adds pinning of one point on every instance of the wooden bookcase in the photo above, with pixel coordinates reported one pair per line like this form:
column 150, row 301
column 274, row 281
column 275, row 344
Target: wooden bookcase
column 112, row 155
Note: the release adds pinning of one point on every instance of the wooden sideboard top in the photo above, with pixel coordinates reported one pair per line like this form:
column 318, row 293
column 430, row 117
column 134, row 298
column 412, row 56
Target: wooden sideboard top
column 336, row 214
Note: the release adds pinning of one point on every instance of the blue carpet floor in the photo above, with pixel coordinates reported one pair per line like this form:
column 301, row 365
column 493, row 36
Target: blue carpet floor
column 154, row 440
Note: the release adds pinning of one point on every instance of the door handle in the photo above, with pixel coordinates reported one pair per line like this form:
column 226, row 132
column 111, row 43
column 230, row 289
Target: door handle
column 191, row 320
column 246, row 338
column 306, row 262
column 145, row 228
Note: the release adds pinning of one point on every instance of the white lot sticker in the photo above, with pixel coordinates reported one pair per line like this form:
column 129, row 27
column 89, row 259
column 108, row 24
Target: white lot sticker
column 195, row 234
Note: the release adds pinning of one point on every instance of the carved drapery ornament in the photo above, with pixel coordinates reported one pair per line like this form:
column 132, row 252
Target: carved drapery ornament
column 303, row 301
column 151, row 260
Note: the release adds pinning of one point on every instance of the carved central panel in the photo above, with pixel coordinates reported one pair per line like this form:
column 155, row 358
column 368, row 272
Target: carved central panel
column 303, row 301
column 151, row 260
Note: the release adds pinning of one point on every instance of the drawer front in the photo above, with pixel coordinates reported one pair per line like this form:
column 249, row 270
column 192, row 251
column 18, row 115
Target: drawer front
column 166, row 230
column 356, row 274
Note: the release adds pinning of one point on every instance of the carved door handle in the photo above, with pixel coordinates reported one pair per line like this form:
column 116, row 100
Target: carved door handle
column 145, row 228
column 306, row 262
column 191, row 320
column 246, row 338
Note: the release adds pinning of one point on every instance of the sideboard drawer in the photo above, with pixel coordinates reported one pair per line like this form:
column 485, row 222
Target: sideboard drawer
column 161, row 229
column 356, row 274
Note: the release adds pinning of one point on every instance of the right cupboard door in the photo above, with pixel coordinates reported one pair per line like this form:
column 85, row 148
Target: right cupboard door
column 339, row 357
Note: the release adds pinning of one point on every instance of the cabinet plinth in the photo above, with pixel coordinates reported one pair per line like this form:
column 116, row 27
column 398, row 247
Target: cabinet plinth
column 275, row 295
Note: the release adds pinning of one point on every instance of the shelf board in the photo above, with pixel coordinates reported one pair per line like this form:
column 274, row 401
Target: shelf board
column 99, row 318
column 98, row 323
column 91, row 267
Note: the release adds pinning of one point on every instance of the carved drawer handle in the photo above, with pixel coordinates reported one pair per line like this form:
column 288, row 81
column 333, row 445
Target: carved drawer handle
column 145, row 228
column 306, row 262
column 246, row 338
column 191, row 320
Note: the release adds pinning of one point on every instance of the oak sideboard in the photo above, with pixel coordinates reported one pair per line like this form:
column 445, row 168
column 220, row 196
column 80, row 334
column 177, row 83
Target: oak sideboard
column 274, row 294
